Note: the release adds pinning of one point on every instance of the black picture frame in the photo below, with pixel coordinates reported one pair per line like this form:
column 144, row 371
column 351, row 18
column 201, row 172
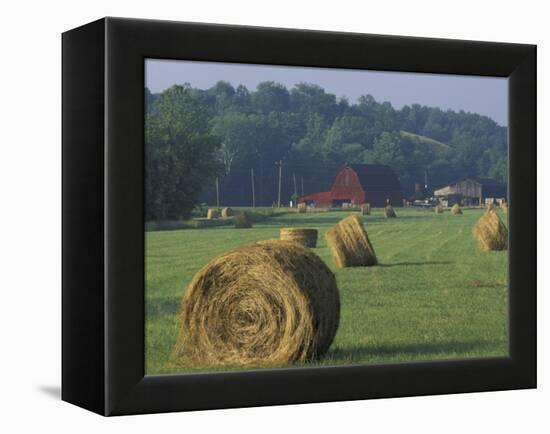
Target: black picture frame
column 103, row 225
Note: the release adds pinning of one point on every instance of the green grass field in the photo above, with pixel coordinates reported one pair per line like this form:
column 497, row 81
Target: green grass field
column 434, row 295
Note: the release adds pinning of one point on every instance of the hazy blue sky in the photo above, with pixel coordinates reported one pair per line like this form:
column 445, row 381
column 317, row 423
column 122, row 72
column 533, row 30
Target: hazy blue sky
column 484, row 95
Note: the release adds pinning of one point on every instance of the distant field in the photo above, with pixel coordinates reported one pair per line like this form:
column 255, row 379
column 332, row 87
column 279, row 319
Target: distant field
column 434, row 295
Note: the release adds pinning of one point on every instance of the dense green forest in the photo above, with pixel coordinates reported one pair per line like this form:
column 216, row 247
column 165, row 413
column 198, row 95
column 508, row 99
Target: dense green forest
column 194, row 136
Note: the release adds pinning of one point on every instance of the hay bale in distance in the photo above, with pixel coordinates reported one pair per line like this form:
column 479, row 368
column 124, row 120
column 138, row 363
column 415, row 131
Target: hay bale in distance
column 455, row 209
column 302, row 207
column 490, row 232
column 365, row 209
column 438, row 209
column 227, row 212
column 242, row 220
column 389, row 212
column 266, row 304
column 303, row 236
column 212, row 213
column 349, row 244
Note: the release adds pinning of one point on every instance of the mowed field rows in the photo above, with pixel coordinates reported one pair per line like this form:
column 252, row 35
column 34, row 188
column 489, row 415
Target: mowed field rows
column 434, row 295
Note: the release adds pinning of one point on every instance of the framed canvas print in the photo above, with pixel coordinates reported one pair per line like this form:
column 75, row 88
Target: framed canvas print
column 258, row 216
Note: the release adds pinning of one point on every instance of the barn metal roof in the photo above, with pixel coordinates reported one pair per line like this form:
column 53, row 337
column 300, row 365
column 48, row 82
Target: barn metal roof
column 376, row 176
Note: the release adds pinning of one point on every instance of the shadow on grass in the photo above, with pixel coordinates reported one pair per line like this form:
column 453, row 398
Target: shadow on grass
column 414, row 349
column 298, row 221
column 158, row 307
column 414, row 264
column 276, row 219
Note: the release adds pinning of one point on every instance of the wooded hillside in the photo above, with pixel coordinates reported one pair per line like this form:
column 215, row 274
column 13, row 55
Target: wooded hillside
column 193, row 136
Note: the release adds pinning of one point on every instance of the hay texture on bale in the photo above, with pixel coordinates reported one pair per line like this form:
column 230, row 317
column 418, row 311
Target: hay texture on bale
column 212, row 213
column 490, row 232
column 504, row 206
column 227, row 212
column 302, row 208
column 304, row 236
column 438, row 209
column 349, row 244
column 266, row 304
column 242, row 221
column 365, row 209
column 389, row 212
column 455, row 209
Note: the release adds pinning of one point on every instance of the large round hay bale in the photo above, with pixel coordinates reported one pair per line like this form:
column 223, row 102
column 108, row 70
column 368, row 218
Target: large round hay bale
column 302, row 207
column 490, row 232
column 349, row 244
column 266, row 304
column 227, row 212
column 304, row 236
column 242, row 221
column 365, row 209
column 212, row 213
column 504, row 206
column 389, row 212
column 438, row 209
column 455, row 209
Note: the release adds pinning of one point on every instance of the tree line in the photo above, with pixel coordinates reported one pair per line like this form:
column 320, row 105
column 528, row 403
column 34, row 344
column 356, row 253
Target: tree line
column 194, row 136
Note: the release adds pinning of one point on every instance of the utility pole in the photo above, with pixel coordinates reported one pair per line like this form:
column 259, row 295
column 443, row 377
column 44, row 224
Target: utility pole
column 217, row 193
column 295, row 188
column 425, row 180
column 253, row 192
column 280, row 164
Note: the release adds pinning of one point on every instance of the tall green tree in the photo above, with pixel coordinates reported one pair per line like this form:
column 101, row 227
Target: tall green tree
column 180, row 154
column 270, row 97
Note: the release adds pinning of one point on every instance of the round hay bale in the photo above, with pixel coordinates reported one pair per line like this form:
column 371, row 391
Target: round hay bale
column 504, row 207
column 438, row 209
column 455, row 209
column 365, row 209
column 302, row 208
column 227, row 212
column 303, row 236
column 389, row 212
column 242, row 221
column 490, row 232
column 349, row 244
column 212, row 213
column 266, row 304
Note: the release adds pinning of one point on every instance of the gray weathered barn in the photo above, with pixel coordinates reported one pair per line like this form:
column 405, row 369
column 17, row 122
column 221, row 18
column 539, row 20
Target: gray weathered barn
column 471, row 192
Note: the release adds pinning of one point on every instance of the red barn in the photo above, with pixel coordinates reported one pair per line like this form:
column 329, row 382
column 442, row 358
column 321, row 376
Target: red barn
column 356, row 184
